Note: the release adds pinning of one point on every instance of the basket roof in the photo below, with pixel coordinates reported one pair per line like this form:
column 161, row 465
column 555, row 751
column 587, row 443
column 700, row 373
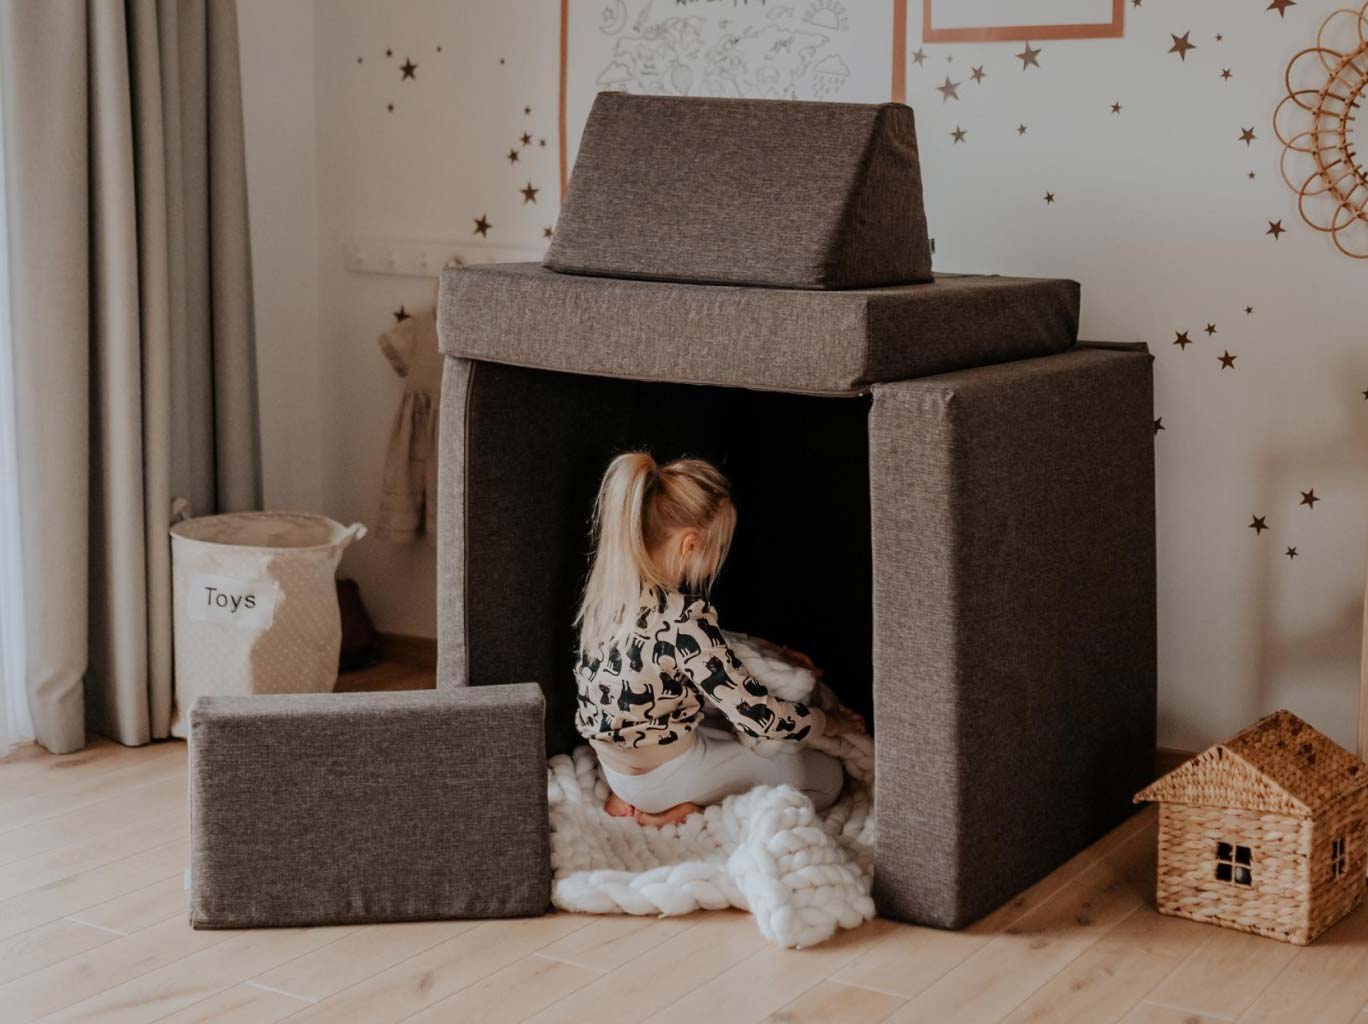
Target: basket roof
column 1278, row 764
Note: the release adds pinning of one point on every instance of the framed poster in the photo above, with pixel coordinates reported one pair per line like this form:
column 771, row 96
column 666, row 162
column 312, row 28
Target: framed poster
column 963, row 21
column 776, row 49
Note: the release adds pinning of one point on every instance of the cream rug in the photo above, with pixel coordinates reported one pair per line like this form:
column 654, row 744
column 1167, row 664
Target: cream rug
column 802, row 875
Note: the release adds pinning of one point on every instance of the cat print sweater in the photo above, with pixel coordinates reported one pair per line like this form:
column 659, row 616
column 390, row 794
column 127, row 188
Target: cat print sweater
column 650, row 693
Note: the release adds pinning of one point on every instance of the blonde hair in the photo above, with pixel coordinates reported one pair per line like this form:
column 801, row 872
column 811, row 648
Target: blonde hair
column 639, row 506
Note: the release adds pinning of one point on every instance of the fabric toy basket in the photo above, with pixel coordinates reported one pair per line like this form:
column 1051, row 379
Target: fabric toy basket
column 255, row 605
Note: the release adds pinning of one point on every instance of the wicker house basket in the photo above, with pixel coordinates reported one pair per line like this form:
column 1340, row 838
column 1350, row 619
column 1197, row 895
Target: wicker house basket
column 1264, row 833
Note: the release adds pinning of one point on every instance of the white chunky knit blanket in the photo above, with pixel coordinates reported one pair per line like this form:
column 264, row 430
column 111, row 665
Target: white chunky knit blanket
column 801, row 874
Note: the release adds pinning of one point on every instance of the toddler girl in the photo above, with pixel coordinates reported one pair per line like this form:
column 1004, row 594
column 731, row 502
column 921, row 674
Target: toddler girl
column 652, row 653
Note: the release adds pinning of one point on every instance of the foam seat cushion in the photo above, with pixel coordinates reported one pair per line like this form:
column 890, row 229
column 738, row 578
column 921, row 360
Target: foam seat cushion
column 832, row 342
column 344, row 808
column 762, row 192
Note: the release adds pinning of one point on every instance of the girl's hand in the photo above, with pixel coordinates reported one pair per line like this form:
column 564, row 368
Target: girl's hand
column 842, row 721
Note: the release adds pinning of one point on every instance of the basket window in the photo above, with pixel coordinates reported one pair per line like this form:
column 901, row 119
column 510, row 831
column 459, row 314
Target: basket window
column 1339, row 860
column 1233, row 864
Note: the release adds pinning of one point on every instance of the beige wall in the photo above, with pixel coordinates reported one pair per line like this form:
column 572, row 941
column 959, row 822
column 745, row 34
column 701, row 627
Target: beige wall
column 1154, row 214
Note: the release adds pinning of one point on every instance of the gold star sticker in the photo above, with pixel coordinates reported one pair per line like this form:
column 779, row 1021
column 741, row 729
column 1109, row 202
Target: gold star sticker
column 525, row 139
column 1049, row 198
column 948, row 91
column 1181, row 45
column 1246, row 136
column 919, row 57
column 1291, row 552
column 1181, row 339
column 1225, row 73
column 958, row 134
column 1275, row 229
column 482, row 226
column 1210, row 329
column 512, row 156
column 1159, row 425
column 1021, row 129
column 1309, row 498
column 1227, row 360
column 1028, row 57
column 547, row 232
column 1281, row 7
column 408, row 68
column 1116, row 108
column 400, row 315
column 977, row 74
column 1258, row 525
column 529, row 194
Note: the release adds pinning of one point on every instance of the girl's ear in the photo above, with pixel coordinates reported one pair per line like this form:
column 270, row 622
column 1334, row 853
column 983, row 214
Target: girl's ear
column 689, row 540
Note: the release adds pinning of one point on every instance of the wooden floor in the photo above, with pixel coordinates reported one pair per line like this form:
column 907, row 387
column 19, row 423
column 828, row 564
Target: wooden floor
column 92, row 928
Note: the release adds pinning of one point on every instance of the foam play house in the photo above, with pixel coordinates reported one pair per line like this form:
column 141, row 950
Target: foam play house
column 945, row 498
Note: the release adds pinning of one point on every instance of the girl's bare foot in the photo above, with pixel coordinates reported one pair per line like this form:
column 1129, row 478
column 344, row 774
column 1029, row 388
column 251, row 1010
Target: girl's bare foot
column 671, row 816
column 618, row 807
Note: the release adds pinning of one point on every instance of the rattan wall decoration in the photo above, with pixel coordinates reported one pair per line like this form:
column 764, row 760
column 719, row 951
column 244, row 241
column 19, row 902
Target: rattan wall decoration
column 1316, row 123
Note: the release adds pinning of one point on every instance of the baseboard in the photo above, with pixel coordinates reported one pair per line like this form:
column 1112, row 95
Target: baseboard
column 418, row 651
column 1166, row 759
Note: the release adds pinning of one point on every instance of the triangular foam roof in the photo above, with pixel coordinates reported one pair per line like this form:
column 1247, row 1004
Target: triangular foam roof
column 1278, row 764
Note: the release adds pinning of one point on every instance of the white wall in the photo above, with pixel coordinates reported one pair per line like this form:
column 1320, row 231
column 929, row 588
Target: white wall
column 1154, row 214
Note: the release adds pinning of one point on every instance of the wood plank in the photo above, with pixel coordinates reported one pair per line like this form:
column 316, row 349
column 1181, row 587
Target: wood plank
column 38, row 947
column 1225, row 974
column 31, row 761
column 1101, row 985
column 1147, row 931
column 43, row 869
column 762, row 983
column 190, row 979
column 512, row 994
column 162, row 761
column 140, row 908
column 607, row 943
column 405, row 989
column 240, row 1004
column 833, row 1003
column 1329, row 978
column 366, row 952
column 1151, row 1013
column 138, row 803
column 717, row 941
column 104, row 967
column 997, row 978
column 72, row 895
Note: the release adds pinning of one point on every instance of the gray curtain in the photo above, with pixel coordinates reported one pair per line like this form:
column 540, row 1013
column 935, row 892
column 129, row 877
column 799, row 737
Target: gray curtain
column 132, row 318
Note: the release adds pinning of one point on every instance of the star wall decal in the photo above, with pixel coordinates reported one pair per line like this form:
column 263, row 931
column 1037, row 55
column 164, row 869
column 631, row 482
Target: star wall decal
column 1365, row 395
column 408, row 68
column 978, row 74
column 1021, row 129
column 482, row 226
column 1291, row 552
column 1181, row 45
column 1275, row 229
column 919, row 57
column 1227, row 360
column 1181, row 339
column 527, row 110
column 1225, row 73
column 529, row 194
column 512, row 156
column 1309, row 498
column 1049, row 198
column 1258, row 524
column 1246, row 136
column 389, row 107
column 1210, row 329
column 1116, row 108
column 1135, row 3
column 400, row 315
column 1219, row 37
column 948, row 91
column 1251, row 175
column 547, row 232
column 541, row 143
column 389, row 53
column 1281, row 7
column 525, row 139
column 1249, row 310
column 1159, row 425
column 1028, row 57
column 958, row 135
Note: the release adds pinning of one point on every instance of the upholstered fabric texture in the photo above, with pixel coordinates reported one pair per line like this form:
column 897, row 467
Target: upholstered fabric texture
column 329, row 809
column 782, row 339
column 762, row 192
column 1014, row 623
